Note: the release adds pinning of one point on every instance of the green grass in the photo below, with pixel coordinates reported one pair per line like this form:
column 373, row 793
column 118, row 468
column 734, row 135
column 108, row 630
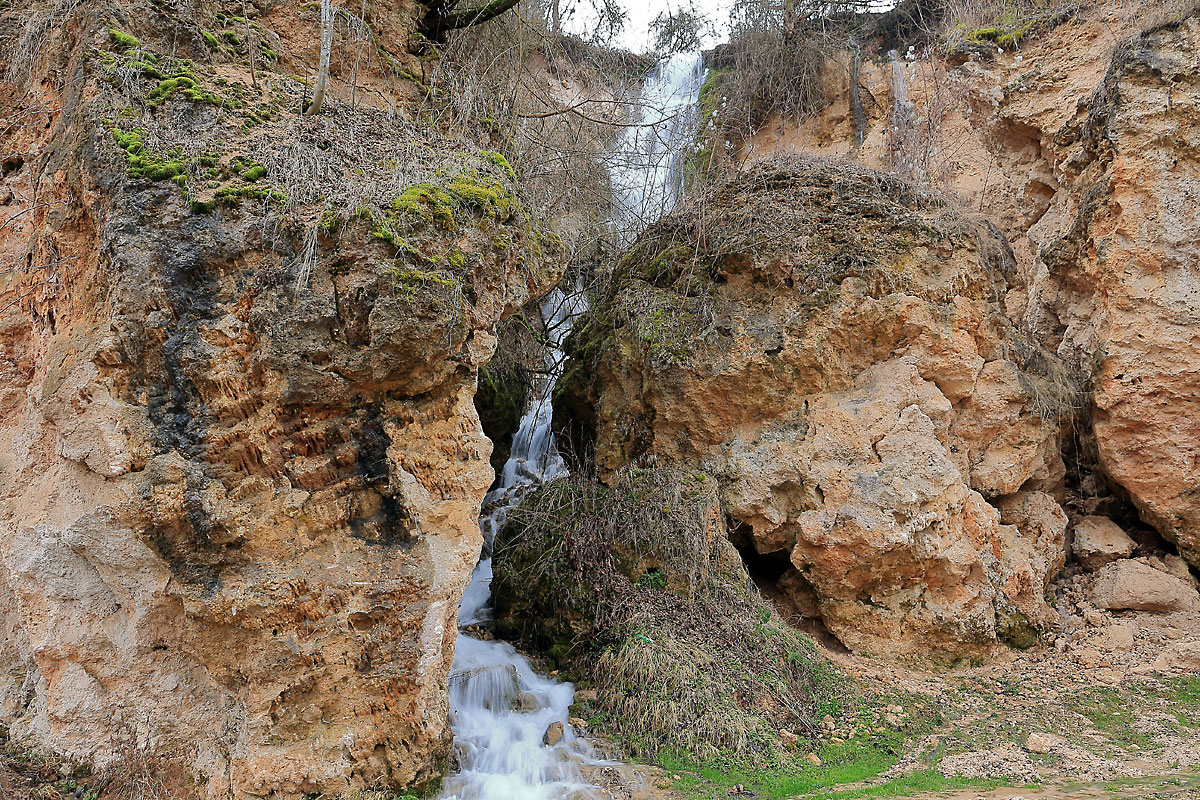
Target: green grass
column 1114, row 714
column 847, row 764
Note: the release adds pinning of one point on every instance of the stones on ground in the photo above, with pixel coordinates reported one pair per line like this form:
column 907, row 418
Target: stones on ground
column 1100, row 541
column 1134, row 585
column 554, row 734
column 1006, row 762
column 576, row 722
column 788, row 738
column 813, row 759
column 1043, row 743
column 1181, row 657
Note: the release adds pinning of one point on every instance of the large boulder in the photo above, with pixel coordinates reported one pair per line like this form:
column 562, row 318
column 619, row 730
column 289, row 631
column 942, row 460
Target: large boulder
column 1134, row 585
column 830, row 343
column 1099, row 541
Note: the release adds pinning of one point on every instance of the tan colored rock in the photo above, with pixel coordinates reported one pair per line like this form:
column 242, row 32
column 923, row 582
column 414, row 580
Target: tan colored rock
column 1179, row 658
column 554, row 734
column 1099, row 541
column 1069, row 147
column 788, row 738
column 813, row 759
column 819, row 396
column 1132, row 584
column 1043, row 743
column 1115, row 637
column 239, row 480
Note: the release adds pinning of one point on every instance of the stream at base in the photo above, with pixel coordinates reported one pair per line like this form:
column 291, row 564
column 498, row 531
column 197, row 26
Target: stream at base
column 501, row 709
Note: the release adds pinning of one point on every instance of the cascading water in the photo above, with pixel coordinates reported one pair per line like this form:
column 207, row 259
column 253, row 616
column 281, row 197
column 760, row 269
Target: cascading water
column 500, row 708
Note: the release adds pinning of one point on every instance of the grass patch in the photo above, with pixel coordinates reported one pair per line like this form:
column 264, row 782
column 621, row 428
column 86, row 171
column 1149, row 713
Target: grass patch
column 1114, row 714
column 856, row 764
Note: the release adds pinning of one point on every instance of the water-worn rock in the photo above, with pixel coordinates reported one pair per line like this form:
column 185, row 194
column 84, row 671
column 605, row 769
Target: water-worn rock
column 856, row 387
column 240, row 466
column 1099, row 541
column 553, row 735
column 1132, row 584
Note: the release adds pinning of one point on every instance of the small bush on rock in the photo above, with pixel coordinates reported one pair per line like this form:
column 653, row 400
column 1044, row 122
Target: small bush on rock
column 634, row 588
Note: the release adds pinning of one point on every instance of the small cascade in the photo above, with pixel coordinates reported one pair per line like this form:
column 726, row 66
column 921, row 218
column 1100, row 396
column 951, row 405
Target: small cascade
column 647, row 172
column 500, row 708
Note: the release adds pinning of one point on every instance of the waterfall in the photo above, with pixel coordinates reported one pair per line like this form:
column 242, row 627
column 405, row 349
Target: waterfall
column 500, row 708
column 646, row 172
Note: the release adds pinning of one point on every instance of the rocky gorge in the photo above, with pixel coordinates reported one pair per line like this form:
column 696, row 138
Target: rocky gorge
column 920, row 385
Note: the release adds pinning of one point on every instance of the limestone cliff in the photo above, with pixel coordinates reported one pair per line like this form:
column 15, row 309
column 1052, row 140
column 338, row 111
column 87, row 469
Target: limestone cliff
column 240, row 464
column 1080, row 143
column 831, row 345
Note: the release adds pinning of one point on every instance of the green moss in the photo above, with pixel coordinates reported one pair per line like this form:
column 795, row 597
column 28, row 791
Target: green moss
column 210, row 40
column 498, row 160
column 502, row 241
column 234, row 195
column 144, row 163
column 254, row 173
column 408, row 283
column 202, row 206
column 168, row 87
column 485, row 194
column 427, row 203
column 231, row 37
column 456, row 260
column 988, row 34
column 122, row 40
column 1014, row 37
column 1015, row 630
column 267, row 53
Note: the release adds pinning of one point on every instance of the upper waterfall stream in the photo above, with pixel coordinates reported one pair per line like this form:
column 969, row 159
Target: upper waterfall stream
column 500, row 707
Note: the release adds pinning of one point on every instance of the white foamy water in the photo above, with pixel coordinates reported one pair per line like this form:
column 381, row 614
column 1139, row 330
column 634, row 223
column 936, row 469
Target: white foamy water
column 500, row 708
column 646, row 172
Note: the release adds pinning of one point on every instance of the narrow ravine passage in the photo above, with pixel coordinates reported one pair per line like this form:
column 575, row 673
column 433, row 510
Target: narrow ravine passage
column 512, row 737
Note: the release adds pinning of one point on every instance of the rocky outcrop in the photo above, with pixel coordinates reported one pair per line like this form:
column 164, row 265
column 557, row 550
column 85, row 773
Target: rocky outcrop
column 830, row 344
column 1075, row 141
column 1118, row 285
column 241, row 465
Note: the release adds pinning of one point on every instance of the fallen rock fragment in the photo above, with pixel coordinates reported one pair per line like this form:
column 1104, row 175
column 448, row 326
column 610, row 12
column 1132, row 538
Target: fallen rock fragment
column 1100, row 541
column 1133, row 585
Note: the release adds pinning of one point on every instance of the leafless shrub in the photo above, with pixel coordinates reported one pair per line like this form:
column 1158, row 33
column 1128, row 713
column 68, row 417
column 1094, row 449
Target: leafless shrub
column 551, row 104
column 30, row 45
column 919, row 147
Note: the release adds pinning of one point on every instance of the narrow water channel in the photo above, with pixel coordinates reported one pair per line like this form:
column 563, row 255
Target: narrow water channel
column 500, row 707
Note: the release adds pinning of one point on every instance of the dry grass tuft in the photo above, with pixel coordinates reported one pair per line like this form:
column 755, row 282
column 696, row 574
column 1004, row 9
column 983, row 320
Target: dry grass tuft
column 634, row 587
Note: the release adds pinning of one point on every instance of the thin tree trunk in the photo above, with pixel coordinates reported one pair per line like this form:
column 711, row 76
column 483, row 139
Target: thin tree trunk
column 323, row 67
column 556, row 16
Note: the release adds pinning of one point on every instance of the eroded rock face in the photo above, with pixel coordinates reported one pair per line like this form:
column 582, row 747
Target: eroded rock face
column 853, row 382
column 241, row 464
column 1118, row 283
